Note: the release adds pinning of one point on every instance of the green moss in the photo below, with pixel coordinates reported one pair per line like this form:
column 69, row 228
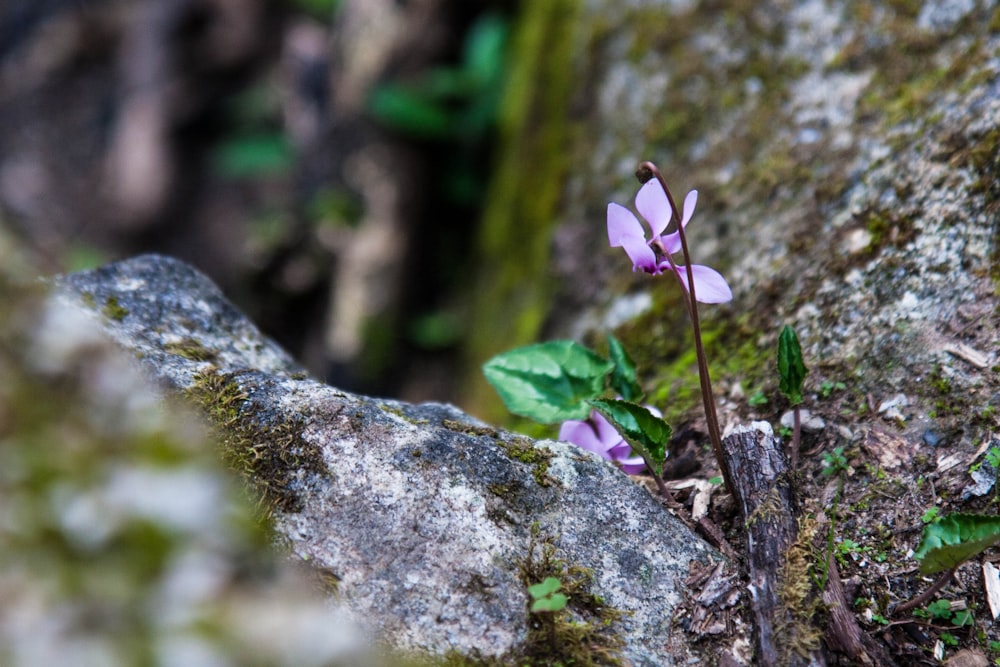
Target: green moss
column 982, row 156
column 114, row 310
column 402, row 415
column 523, row 450
column 663, row 350
column 470, row 429
column 584, row 633
column 192, row 349
column 800, row 630
column 887, row 228
column 268, row 457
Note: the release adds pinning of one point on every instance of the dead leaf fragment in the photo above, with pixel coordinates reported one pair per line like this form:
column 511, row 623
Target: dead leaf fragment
column 967, row 658
column 890, row 450
column 969, row 354
column 991, row 580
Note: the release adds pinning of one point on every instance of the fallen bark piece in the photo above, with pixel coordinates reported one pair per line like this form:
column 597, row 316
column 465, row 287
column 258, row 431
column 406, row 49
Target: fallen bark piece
column 779, row 584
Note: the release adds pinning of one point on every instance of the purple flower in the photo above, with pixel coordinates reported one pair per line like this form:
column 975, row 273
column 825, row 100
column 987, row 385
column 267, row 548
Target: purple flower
column 652, row 256
column 597, row 435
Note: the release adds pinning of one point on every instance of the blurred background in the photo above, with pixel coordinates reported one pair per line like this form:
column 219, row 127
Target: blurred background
column 324, row 161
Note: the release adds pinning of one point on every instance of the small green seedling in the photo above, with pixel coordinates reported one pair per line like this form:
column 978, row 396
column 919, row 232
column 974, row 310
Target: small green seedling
column 826, row 388
column 791, row 376
column 930, row 516
column 949, row 639
column 993, row 456
column 546, row 597
column 834, row 462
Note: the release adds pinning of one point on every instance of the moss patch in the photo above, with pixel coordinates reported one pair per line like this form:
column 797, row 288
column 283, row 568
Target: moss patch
column 269, row 458
column 114, row 310
column 801, row 633
column 191, row 349
column 522, row 449
column 583, row 633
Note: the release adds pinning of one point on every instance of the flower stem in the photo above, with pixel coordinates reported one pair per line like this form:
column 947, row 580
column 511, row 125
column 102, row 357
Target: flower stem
column 793, row 455
column 938, row 584
column 711, row 417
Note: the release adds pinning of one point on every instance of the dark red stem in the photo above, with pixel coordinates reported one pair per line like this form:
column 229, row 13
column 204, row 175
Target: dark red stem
column 921, row 599
column 796, row 438
column 711, row 417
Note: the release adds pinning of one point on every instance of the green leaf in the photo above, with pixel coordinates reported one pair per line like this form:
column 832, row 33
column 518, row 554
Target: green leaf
column 544, row 589
column 954, row 539
column 644, row 431
column 555, row 603
column 791, row 369
column 254, row 155
column 409, row 111
column 548, row 382
column 623, row 377
column 963, row 617
column 483, row 56
column 940, row 609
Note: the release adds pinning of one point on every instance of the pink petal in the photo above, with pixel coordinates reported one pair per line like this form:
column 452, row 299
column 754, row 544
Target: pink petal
column 605, row 431
column 710, row 286
column 622, row 223
column 640, row 253
column 632, row 465
column 689, row 204
column 652, row 204
column 583, row 436
column 671, row 243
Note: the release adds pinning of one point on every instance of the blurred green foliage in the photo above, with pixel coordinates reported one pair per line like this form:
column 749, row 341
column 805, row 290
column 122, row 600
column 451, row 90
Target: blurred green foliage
column 458, row 102
column 256, row 144
column 456, row 105
column 318, row 9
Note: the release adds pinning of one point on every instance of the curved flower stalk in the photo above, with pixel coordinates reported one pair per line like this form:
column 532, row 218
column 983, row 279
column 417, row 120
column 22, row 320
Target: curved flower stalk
column 655, row 256
column 596, row 434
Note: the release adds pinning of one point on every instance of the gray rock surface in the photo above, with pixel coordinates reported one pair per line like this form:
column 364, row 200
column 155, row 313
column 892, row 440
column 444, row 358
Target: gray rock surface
column 845, row 158
column 124, row 540
column 422, row 515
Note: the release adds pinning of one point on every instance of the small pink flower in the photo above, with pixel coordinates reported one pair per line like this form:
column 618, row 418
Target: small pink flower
column 625, row 230
column 596, row 434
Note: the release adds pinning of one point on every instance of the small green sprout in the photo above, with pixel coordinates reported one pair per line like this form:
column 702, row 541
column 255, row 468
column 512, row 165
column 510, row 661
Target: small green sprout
column 962, row 618
column 834, row 462
column 949, row 639
column 791, row 376
column 546, row 597
column 993, row 457
column 930, row 516
column 791, row 369
column 939, row 609
column 826, row 388
column 757, row 399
